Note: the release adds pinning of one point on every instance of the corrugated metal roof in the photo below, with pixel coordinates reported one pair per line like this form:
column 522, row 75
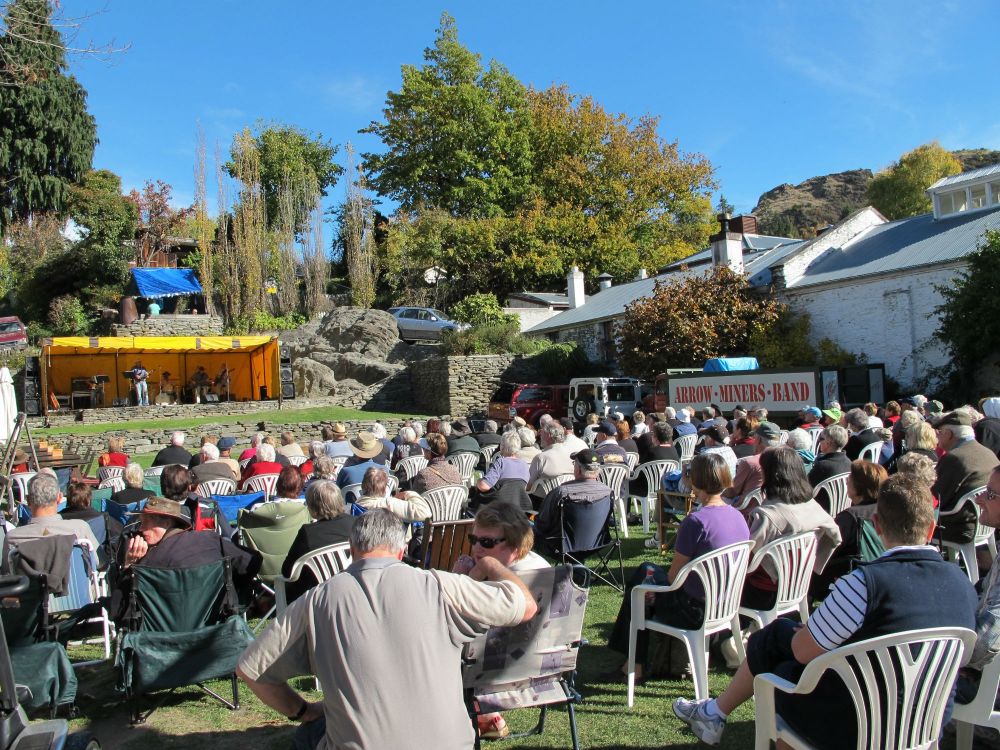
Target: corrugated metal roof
column 971, row 176
column 610, row 303
column 898, row 245
column 548, row 298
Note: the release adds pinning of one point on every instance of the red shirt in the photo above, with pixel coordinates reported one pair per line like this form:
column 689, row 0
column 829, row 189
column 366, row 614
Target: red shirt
column 306, row 468
column 113, row 459
column 260, row 467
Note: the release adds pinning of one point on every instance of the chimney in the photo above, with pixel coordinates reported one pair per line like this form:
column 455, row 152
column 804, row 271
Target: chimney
column 574, row 288
column 743, row 224
column 604, row 280
column 727, row 246
column 641, row 275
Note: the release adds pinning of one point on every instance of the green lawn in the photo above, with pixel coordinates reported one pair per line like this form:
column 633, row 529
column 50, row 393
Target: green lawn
column 191, row 719
column 292, row 416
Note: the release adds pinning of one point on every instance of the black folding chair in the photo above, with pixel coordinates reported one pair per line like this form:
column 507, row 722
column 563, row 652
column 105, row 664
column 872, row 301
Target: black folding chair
column 587, row 529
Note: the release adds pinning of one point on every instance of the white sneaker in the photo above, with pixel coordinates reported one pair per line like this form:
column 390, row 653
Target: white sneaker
column 652, row 543
column 706, row 728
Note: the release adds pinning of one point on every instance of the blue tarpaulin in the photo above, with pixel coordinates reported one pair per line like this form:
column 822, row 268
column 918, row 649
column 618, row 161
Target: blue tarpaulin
column 730, row 364
column 152, row 283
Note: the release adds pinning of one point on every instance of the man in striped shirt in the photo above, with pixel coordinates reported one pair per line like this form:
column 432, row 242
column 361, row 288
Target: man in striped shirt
column 908, row 588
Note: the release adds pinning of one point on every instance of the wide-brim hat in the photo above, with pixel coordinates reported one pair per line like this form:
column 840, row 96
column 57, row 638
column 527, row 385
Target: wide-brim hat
column 161, row 506
column 366, row 445
column 339, row 428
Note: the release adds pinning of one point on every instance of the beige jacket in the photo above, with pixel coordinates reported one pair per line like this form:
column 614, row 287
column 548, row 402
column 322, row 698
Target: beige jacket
column 774, row 519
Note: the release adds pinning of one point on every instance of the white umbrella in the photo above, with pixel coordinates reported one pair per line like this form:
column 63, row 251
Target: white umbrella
column 8, row 404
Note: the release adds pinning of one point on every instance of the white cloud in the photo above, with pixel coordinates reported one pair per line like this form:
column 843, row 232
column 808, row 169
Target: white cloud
column 353, row 92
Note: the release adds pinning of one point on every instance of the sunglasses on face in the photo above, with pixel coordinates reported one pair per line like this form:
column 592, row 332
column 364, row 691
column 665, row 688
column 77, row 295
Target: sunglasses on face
column 486, row 542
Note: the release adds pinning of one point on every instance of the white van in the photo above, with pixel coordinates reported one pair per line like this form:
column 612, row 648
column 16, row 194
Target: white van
column 603, row 396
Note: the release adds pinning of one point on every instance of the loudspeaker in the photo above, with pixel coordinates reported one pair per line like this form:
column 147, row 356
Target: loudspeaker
column 31, row 388
column 287, row 383
column 32, row 407
column 211, row 398
column 287, row 389
column 31, row 396
column 32, row 366
column 286, row 374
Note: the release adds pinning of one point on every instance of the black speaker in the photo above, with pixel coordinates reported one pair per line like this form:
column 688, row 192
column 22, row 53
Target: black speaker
column 287, row 389
column 286, row 374
column 32, row 366
column 32, row 407
column 287, row 383
column 31, row 395
column 31, row 387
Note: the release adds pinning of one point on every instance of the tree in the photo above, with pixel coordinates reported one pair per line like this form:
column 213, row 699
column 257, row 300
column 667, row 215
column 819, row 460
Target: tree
column 693, row 318
column 458, row 136
column 109, row 220
column 158, row 220
column 481, row 310
column 967, row 329
column 291, row 156
column 724, row 206
column 788, row 343
column 357, row 237
column 901, row 190
column 47, row 137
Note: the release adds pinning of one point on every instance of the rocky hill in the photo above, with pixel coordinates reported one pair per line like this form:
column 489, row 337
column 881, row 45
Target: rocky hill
column 798, row 210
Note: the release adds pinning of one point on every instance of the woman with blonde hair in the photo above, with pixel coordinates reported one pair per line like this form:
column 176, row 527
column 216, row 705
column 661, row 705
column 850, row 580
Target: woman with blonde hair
column 115, row 455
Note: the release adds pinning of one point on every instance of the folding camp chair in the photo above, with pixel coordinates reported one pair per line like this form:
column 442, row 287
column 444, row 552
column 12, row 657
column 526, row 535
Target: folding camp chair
column 443, row 542
column 533, row 664
column 587, row 529
column 270, row 529
column 182, row 629
column 81, row 604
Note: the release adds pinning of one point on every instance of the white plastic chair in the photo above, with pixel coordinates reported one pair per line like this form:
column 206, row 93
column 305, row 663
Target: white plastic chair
column 979, row 712
column 966, row 553
column 466, row 464
column 721, row 573
column 391, row 485
column 117, row 484
column 814, row 433
column 154, row 471
column 488, row 452
column 351, row 492
column 324, row 563
column 615, row 476
column 244, row 462
column 544, row 486
column 107, row 472
column 631, row 461
column 836, row 492
column 266, row 483
column 21, row 479
column 783, row 437
column 748, row 497
column 685, row 446
column 918, row 666
column 296, row 461
column 653, row 471
column 447, row 502
column 220, row 486
column 871, row 452
column 794, row 557
column 408, row 467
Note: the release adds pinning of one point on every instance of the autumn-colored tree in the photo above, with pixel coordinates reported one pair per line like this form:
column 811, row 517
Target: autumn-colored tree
column 901, row 190
column 357, row 235
column 693, row 318
column 158, row 220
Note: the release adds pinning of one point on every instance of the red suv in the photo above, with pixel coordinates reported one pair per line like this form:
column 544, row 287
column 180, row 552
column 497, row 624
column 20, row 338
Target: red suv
column 528, row 401
column 12, row 333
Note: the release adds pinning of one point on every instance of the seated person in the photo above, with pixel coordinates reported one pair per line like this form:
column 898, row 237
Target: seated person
column 831, row 460
column 606, row 443
column 590, row 429
column 408, row 446
column 863, row 484
column 199, row 384
column 43, row 499
column 661, row 450
column 585, row 488
column 408, row 506
column 79, row 507
column 210, row 466
column 801, row 442
column 134, row 492
column 909, row 588
column 507, row 466
column 289, row 485
column 263, row 463
column 115, row 455
column 624, row 436
column 167, row 393
column 324, row 469
column 367, row 449
column 289, row 446
column 378, row 430
column 529, row 448
column 716, row 524
column 554, row 460
column 316, row 449
column 335, row 439
column 20, row 463
column 460, row 440
column 173, row 453
column 438, row 471
column 743, row 442
column 332, row 525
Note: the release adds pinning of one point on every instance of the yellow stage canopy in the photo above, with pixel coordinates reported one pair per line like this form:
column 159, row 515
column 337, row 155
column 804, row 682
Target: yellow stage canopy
column 253, row 363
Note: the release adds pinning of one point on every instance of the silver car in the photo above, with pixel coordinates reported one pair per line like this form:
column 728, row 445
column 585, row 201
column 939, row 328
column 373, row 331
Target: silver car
column 422, row 323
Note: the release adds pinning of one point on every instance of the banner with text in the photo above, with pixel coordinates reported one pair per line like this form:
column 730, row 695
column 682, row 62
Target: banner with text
column 775, row 391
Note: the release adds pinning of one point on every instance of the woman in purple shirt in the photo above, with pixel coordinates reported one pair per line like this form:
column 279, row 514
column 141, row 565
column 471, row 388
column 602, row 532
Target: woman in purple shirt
column 716, row 524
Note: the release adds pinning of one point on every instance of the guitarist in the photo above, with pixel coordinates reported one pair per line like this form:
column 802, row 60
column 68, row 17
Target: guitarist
column 140, row 377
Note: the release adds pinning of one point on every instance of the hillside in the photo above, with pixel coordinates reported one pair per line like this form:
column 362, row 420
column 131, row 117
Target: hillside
column 798, row 210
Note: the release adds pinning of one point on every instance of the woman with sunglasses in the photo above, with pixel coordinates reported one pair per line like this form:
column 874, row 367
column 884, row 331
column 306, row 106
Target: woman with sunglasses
column 714, row 525
column 501, row 531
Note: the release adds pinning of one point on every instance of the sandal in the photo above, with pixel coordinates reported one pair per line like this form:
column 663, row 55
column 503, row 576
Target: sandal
column 492, row 727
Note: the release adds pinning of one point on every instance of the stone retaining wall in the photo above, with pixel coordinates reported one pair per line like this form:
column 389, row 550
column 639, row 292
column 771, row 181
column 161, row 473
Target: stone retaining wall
column 172, row 325
column 177, row 411
column 463, row 385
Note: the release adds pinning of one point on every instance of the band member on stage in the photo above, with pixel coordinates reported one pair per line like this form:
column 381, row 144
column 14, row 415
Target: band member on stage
column 168, row 392
column 222, row 383
column 139, row 377
column 200, row 384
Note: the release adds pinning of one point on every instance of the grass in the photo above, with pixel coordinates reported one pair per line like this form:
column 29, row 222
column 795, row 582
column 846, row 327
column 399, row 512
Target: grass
column 291, row 416
column 190, row 718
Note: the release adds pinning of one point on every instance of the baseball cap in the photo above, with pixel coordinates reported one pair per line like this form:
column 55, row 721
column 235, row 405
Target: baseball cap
column 607, row 428
column 768, row 430
column 834, row 414
column 226, row 443
column 814, row 410
column 717, row 432
column 908, row 400
column 587, row 458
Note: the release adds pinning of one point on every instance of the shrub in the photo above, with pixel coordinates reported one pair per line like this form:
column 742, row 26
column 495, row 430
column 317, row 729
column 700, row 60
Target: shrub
column 67, row 317
column 505, row 338
column 481, row 310
column 263, row 321
column 557, row 361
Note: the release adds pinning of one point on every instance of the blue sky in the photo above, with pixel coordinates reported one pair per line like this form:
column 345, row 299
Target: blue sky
column 770, row 92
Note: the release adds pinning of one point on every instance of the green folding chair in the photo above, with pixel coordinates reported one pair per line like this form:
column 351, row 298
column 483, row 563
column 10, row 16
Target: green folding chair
column 182, row 629
column 270, row 529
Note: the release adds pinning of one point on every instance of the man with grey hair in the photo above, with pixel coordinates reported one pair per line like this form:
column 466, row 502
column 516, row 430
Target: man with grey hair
column 43, row 500
column 173, row 453
column 407, row 447
column 211, row 467
column 382, row 599
column 831, row 460
column 861, row 433
column 529, row 448
column 554, row 460
column 489, row 435
column 965, row 466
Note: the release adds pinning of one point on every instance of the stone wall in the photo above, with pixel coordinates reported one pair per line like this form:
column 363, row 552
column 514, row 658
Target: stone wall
column 463, row 385
column 172, row 325
column 176, row 411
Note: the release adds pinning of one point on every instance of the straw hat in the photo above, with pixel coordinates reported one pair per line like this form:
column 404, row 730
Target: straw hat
column 339, row 428
column 366, row 445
